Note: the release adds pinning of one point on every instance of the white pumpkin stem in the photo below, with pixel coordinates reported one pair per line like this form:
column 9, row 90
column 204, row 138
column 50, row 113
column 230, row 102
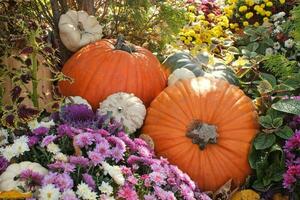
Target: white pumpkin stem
column 121, row 45
column 202, row 133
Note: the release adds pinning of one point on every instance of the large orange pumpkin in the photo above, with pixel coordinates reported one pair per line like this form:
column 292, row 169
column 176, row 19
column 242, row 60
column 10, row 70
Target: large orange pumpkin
column 204, row 126
column 106, row 67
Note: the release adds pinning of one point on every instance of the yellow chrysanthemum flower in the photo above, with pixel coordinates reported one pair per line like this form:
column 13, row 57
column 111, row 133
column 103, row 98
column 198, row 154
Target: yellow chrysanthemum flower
column 268, row 13
column 249, row 15
column 263, row 5
column 256, row 24
column 269, row 4
column 191, row 8
column 243, row 8
column 266, row 19
column 282, row 1
column 245, row 23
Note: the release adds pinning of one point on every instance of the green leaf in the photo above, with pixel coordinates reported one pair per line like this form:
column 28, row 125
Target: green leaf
column 277, row 122
column 258, row 185
column 253, row 157
column 253, row 46
column 233, row 50
column 265, row 121
column 285, row 132
column 264, row 87
column 291, row 106
column 249, row 31
column 264, row 141
column 270, row 78
column 284, row 87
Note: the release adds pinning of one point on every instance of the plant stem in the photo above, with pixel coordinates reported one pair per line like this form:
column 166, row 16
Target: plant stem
column 34, row 70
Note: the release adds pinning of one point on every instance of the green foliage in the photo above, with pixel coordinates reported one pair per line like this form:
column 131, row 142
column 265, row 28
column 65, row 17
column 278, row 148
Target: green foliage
column 296, row 17
column 255, row 40
column 280, row 66
column 266, row 157
column 144, row 22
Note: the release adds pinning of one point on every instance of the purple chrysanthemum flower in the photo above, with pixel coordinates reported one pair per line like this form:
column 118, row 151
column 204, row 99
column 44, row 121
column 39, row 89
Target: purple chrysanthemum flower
column 40, row 131
column 186, row 192
column 103, row 132
column 150, row 197
column 132, row 180
column 95, row 157
column 292, row 175
column 164, row 195
column 158, row 178
column 69, row 195
column 88, row 179
column 62, row 166
column 83, row 139
column 33, row 140
column 31, row 178
column 65, row 129
column 79, row 160
column 114, row 126
column 144, row 151
column 117, row 154
column 62, row 181
column 128, row 193
column 3, row 164
column 78, row 116
column 48, row 139
column 117, row 142
column 102, row 148
column 126, row 170
column 126, row 139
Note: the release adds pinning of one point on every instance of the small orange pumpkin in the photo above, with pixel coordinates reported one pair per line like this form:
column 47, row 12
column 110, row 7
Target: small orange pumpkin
column 107, row 67
column 204, row 126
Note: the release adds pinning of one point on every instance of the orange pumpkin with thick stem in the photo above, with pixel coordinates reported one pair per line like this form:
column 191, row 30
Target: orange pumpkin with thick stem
column 204, row 126
column 109, row 66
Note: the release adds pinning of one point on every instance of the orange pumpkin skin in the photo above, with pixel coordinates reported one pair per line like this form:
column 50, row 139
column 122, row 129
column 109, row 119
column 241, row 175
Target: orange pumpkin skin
column 213, row 102
column 99, row 70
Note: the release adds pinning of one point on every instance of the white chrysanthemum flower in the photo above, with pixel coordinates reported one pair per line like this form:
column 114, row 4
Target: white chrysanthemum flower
column 35, row 124
column 106, row 188
column 84, row 192
column 278, row 16
column 3, row 136
column 21, row 145
column 269, row 51
column 53, row 148
column 276, row 45
column 289, row 43
column 60, row 156
column 49, row 192
column 115, row 172
column 77, row 100
column 8, row 152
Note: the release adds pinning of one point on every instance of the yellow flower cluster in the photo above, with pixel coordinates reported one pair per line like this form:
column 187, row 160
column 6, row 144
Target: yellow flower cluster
column 201, row 29
column 242, row 13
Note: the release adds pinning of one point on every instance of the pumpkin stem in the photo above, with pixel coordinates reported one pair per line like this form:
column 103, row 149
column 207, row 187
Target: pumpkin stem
column 202, row 133
column 121, row 45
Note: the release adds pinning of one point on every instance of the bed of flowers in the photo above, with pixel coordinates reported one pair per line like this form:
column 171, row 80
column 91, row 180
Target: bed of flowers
column 154, row 100
column 77, row 154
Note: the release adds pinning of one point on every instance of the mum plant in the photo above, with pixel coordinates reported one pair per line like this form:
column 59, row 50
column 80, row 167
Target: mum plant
column 89, row 156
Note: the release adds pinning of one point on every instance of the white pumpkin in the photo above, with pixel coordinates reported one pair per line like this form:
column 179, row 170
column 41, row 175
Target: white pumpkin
column 7, row 182
column 77, row 100
column 125, row 108
column 78, row 28
column 180, row 74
